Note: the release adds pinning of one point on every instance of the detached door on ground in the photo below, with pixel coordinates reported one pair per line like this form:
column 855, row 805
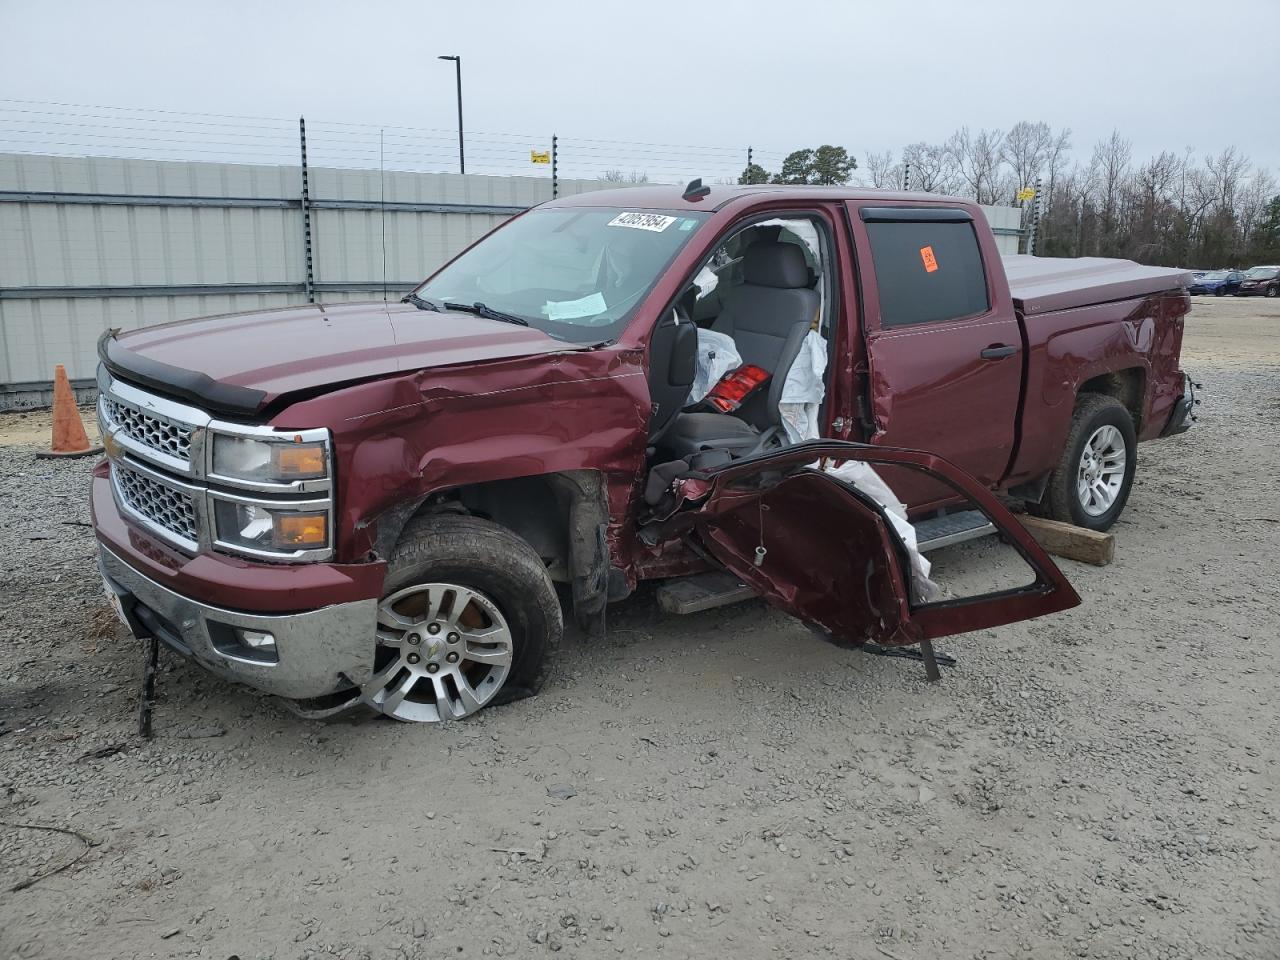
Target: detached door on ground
column 944, row 347
column 826, row 551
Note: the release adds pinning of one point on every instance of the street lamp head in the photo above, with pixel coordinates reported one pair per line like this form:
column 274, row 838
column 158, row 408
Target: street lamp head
column 448, row 58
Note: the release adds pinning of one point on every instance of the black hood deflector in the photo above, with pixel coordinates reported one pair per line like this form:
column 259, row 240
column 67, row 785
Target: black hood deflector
column 221, row 398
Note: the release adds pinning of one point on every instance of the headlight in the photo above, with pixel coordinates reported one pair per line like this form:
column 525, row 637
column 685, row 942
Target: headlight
column 273, row 460
column 271, row 495
column 263, row 528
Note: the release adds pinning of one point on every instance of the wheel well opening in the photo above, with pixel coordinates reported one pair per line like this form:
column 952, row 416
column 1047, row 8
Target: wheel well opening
column 1127, row 386
column 527, row 506
column 557, row 514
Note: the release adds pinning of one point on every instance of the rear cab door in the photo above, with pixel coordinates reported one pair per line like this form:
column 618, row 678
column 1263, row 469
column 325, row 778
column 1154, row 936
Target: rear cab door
column 826, row 552
column 944, row 345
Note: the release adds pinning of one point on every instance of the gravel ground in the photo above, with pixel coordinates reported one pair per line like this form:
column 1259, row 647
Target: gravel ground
column 1103, row 783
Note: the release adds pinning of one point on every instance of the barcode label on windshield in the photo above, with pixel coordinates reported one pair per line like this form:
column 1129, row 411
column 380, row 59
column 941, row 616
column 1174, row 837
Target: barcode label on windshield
column 643, row 221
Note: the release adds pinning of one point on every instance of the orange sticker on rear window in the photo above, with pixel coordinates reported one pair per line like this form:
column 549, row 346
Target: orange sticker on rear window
column 930, row 261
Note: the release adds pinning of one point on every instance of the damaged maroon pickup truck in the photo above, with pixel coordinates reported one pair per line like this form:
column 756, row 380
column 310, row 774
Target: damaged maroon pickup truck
column 390, row 505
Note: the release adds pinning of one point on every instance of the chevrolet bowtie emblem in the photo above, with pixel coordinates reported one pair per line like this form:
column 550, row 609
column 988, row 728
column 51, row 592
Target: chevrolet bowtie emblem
column 111, row 445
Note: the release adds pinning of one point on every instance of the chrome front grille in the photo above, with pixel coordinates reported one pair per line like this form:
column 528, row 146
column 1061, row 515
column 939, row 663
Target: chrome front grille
column 163, row 478
column 153, row 432
column 157, row 503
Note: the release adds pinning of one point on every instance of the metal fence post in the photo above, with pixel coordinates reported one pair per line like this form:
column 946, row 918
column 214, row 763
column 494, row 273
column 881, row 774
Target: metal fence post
column 555, row 166
column 310, row 276
column 1035, row 221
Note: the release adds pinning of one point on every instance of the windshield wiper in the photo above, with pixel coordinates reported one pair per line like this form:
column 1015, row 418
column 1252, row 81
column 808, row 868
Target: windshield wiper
column 423, row 304
column 480, row 310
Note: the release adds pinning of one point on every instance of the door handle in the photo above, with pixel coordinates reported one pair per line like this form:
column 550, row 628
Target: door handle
column 998, row 352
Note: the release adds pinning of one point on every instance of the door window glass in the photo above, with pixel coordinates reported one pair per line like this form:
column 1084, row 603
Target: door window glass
column 927, row 271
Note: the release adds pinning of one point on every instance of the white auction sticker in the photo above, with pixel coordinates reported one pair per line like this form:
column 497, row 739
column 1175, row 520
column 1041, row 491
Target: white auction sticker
column 656, row 222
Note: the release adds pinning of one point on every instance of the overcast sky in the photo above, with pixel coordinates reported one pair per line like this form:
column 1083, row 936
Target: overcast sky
column 1169, row 74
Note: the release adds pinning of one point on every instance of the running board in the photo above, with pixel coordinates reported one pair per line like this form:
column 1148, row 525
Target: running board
column 702, row 591
column 938, row 532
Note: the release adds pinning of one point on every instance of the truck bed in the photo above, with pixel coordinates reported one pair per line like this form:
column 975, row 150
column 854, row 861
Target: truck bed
column 1046, row 284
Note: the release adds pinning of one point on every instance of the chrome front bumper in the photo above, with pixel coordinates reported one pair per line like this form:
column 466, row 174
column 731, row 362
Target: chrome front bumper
column 314, row 653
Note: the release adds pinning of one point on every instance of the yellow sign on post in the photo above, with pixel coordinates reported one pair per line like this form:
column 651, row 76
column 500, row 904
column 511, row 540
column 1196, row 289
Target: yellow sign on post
column 539, row 156
column 1027, row 193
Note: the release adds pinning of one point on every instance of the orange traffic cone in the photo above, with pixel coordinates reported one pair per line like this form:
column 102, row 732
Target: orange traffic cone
column 69, row 438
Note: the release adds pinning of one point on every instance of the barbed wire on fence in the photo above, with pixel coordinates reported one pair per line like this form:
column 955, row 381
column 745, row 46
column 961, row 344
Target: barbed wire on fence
column 76, row 129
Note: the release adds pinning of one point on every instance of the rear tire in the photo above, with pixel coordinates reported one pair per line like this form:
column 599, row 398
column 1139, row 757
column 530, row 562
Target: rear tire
column 1220, row 292
column 1273, row 292
column 1091, row 484
column 498, row 646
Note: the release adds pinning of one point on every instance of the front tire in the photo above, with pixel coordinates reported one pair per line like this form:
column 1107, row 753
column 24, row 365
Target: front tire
column 469, row 618
column 1091, row 483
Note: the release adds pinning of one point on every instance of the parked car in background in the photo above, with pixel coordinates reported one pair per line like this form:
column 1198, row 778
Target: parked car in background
column 1260, row 282
column 1217, row 282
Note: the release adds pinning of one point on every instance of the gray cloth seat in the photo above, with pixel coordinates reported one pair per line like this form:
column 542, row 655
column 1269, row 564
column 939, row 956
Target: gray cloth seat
column 768, row 316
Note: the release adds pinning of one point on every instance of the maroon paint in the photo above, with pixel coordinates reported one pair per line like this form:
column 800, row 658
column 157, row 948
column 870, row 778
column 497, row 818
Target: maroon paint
column 932, row 389
column 827, row 552
column 297, row 349
column 1069, row 348
column 438, row 429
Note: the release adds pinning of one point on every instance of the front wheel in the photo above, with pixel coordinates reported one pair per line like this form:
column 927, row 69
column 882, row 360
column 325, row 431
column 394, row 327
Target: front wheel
column 1091, row 484
column 469, row 618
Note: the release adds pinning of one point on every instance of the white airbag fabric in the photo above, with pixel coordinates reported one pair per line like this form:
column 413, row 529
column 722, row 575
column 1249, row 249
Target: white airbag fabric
column 866, row 480
column 717, row 355
column 803, row 390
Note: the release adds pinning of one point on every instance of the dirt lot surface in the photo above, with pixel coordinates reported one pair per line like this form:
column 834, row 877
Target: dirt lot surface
column 1102, row 783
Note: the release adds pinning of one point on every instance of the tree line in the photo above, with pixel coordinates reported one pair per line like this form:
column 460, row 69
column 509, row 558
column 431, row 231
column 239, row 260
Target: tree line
column 1173, row 209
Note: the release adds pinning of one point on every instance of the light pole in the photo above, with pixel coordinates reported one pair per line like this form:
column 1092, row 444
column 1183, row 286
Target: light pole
column 462, row 159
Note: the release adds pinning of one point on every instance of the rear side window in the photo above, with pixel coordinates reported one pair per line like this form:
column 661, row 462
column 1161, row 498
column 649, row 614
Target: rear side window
column 927, row 271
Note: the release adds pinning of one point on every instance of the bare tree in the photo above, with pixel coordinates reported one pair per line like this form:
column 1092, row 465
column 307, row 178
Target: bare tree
column 1153, row 208
column 978, row 161
column 1110, row 167
column 932, row 167
column 1026, row 150
column 1251, row 204
column 1226, row 171
column 1056, row 162
column 622, row 176
column 882, row 172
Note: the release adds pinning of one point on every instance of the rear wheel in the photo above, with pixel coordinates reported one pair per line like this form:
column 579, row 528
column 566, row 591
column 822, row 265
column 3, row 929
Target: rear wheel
column 1091, row 484
column 1273, row 292
column 469, row 618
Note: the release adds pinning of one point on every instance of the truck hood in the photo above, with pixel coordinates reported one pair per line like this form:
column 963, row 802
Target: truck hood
column 239, row 364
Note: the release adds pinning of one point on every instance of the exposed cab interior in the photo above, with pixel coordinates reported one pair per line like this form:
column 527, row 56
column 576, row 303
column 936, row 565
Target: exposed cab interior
column 738, row 365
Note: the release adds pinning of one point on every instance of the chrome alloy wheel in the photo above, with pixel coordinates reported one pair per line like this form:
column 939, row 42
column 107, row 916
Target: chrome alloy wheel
column 443, row 653
column 1101, row 474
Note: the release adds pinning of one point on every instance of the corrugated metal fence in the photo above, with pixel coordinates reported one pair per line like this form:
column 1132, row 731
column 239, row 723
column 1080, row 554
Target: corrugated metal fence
column 91, row 243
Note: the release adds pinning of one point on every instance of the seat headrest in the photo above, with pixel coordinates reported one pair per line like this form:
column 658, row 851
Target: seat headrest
column 769, row 263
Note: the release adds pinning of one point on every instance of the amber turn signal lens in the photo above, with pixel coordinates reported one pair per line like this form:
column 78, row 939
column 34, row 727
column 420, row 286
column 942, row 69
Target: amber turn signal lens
column 299, row 460
column 300, row 529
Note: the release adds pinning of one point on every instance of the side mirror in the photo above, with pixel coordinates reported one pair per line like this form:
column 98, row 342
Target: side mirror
column 683, row 366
